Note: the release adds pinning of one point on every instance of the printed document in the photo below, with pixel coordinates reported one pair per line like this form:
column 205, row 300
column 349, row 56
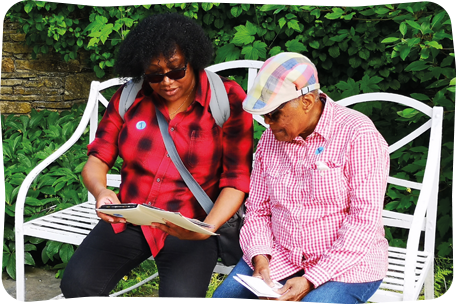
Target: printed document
column 139, row 214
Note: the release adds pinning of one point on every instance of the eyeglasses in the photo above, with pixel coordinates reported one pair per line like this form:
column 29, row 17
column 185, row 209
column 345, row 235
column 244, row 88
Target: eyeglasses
column 274, row 115
column 173, row 74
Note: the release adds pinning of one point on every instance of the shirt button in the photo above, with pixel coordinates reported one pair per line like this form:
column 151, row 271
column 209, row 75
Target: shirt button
column 172, row 129
column 167, row 155
column 158, row 180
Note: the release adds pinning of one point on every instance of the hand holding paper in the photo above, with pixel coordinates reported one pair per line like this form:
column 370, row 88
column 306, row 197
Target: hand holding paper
column 258, row 286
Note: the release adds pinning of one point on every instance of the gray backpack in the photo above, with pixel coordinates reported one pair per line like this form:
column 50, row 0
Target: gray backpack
column 219, row 104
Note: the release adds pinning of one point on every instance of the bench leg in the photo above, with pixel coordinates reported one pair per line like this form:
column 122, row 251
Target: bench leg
column 429, row 284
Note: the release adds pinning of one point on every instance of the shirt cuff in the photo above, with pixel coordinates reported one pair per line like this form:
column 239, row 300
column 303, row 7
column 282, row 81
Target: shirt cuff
column 254, row 251
column 317, row 276
column 239, row 182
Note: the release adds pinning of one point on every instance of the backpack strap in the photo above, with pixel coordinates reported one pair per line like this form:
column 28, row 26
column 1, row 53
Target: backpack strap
column 128, row 96
column 219, row 104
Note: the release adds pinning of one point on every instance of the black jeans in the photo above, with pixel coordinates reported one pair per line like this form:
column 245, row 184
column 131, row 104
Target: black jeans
column 104, row 257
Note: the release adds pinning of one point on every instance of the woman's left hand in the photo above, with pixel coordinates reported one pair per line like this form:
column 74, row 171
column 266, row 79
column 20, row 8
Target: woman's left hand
column 179, row 232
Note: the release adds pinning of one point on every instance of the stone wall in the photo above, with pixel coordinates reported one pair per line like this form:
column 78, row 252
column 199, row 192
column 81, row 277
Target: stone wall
column 46, row 82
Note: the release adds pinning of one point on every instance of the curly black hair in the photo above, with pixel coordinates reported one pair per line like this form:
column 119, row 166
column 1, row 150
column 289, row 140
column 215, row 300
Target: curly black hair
column 161, row 34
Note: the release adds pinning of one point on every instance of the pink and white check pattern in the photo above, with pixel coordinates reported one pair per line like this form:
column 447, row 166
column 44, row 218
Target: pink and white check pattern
column 327, row 222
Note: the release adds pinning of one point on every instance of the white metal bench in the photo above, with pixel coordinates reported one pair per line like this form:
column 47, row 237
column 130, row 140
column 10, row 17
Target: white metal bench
column 408, row 270
column 73, row 224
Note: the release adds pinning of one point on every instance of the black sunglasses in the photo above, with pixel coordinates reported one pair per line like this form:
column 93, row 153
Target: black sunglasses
column 273, row 114
column 173, row 74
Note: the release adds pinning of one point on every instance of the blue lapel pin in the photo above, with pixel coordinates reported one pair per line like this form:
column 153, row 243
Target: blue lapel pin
column 319, row 150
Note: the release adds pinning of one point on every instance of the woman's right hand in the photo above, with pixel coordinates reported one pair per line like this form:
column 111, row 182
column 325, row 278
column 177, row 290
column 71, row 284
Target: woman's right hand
column 108, row 197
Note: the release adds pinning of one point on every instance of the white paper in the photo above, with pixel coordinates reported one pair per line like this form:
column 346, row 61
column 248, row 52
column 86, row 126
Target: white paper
column 258, row 286
column 144, row 215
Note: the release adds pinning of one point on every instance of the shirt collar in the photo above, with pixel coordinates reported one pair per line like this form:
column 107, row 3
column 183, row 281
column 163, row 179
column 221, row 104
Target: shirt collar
column 325, row 122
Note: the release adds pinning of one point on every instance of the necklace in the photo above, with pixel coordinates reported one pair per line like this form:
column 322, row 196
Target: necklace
column 172, row 114
column 185, row 101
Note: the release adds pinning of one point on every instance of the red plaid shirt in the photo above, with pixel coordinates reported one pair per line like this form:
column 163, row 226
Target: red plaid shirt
column 216, row 157
column 328, row 223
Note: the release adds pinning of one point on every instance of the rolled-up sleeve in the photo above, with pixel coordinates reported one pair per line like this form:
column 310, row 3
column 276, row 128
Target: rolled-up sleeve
column 256, row 234
column 105, row 144
column 237, row 142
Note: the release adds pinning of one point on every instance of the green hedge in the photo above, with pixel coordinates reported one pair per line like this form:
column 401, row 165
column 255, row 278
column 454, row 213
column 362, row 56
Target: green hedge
column 400, row 48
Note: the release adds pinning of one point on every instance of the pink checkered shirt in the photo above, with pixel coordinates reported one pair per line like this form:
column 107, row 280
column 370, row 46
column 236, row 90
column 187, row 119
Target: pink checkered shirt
column 326, row 222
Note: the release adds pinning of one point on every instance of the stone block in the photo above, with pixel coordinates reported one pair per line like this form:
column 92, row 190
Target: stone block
column 45, row 65
column 7, row 65
column 48, row 82
column 20, row 97
column 6, row 90
column 16, row 48
column 15, row 107
column 52, row 105
column 18, row 75
column 17, row 37
column 12, row 82
column 4, row 36
column 42, row 91
column 77, row 86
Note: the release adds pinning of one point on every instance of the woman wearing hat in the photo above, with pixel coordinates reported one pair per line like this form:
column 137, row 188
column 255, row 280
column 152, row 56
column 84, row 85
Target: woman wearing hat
column 168, row 53
column 314, row 212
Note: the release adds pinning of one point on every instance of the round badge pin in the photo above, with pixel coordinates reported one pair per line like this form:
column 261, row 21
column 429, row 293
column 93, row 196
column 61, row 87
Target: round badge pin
column 141, row 125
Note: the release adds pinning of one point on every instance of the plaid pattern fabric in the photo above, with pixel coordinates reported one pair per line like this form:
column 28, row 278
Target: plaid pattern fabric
column 325, row 219
column 216, row 157
column 279, row 80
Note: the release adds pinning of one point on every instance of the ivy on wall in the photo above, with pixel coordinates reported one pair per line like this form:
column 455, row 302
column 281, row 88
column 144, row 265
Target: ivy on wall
column 401, row 48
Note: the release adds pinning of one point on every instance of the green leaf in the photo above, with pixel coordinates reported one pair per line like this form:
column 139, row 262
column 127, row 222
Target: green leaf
column 364, row 54
column 413, row 24
column 416, row 66
column 390, row 39
column 295, row 46
column 403, row 28
column 336, row 14
column 228, row 52
column 271, row 7
column 236, row 11
column 66, row 252
column 408, row 113
column 314, row 44
column 275, row 50
column 206, row 6
column 11, row 266
column 434, row 44
column 282, row 22
column 294, row 24
column 3, row 246
column 28, row 259
column 255, row 51
column 52, row 248
column 334, row 51
column 404, row 51
column 244, row 34
column 28, row 7
column 420, row 96
column 438, row 18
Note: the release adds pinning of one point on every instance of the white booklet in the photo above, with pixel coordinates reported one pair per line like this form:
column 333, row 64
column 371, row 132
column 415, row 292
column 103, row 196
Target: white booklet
column 258, row 286
column 139, row 214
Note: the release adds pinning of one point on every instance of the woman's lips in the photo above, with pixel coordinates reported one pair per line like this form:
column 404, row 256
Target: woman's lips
column 170, row 92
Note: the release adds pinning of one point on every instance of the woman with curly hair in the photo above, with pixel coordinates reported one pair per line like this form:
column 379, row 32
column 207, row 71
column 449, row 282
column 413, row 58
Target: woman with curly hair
column 169, row 53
